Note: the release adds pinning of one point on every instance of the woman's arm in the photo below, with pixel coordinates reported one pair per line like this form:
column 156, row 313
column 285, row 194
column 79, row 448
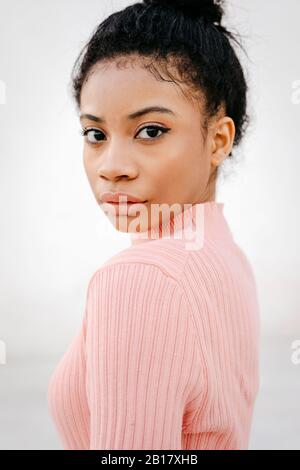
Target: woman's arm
column 141, row 358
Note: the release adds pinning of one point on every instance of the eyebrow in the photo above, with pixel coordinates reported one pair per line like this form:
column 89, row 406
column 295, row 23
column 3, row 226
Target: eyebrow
column 136, row 114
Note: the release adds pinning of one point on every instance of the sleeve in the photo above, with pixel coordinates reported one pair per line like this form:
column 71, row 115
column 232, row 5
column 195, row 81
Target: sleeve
column 140, row 348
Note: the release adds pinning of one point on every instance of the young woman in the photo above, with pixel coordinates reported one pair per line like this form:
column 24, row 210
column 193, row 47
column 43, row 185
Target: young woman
column 167, row 354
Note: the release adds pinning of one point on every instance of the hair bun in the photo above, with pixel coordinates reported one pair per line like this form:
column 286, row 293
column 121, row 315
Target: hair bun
column 210, row 9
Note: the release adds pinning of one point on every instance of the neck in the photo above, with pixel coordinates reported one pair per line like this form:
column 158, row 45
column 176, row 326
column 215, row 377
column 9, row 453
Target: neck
column 194, row 222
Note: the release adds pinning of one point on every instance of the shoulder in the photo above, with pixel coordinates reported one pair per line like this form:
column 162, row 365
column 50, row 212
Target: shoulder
column 131, row 273
column 140, row 294
column 167, row 258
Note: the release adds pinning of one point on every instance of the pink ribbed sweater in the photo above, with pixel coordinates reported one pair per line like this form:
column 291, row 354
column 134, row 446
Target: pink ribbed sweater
column 167, row 354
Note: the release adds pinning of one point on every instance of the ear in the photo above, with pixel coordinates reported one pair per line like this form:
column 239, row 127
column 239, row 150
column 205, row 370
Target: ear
column 222, row 139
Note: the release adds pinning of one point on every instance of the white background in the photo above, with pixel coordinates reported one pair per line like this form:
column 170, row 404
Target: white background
column 54, row 236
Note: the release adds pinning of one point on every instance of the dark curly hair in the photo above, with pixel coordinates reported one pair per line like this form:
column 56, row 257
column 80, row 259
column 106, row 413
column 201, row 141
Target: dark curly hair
column 184, row 33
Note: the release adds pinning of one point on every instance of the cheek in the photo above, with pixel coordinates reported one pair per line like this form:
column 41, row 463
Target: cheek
column 196, row 171
column 167, row 177
column 89, row 170
column 85, row 162
column 184, row 173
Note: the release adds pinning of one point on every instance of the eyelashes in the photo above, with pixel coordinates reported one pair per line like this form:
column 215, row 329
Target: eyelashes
column 153, row 128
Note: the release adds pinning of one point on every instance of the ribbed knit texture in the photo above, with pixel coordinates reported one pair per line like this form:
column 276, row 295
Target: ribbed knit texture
column 167, row 354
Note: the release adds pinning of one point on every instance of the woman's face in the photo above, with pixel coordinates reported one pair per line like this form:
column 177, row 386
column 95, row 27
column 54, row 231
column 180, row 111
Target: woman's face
column 158, row 157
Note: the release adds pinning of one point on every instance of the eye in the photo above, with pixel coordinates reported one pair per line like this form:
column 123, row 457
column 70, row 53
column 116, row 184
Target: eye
column 153, row 130
column 97, row 135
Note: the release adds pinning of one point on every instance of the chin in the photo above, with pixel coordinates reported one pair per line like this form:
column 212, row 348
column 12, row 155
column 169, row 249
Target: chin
column 129, row 225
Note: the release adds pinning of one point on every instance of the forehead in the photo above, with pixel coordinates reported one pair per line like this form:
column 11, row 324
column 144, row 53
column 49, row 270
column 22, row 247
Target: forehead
column 119, row 86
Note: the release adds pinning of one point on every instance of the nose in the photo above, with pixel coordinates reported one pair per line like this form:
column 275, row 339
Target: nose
column 114, row 165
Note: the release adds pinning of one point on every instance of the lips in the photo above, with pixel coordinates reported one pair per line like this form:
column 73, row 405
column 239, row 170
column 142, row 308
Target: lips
column 120, row 203
column 119, row 198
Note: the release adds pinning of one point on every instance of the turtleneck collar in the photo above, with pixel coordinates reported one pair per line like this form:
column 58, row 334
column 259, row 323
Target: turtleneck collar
column 194, row 223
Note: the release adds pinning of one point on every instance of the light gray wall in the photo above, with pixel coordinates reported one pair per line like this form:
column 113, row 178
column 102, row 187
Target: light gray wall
column 54, row 236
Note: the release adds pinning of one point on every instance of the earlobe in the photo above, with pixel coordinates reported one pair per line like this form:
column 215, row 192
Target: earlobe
column 217, row 160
